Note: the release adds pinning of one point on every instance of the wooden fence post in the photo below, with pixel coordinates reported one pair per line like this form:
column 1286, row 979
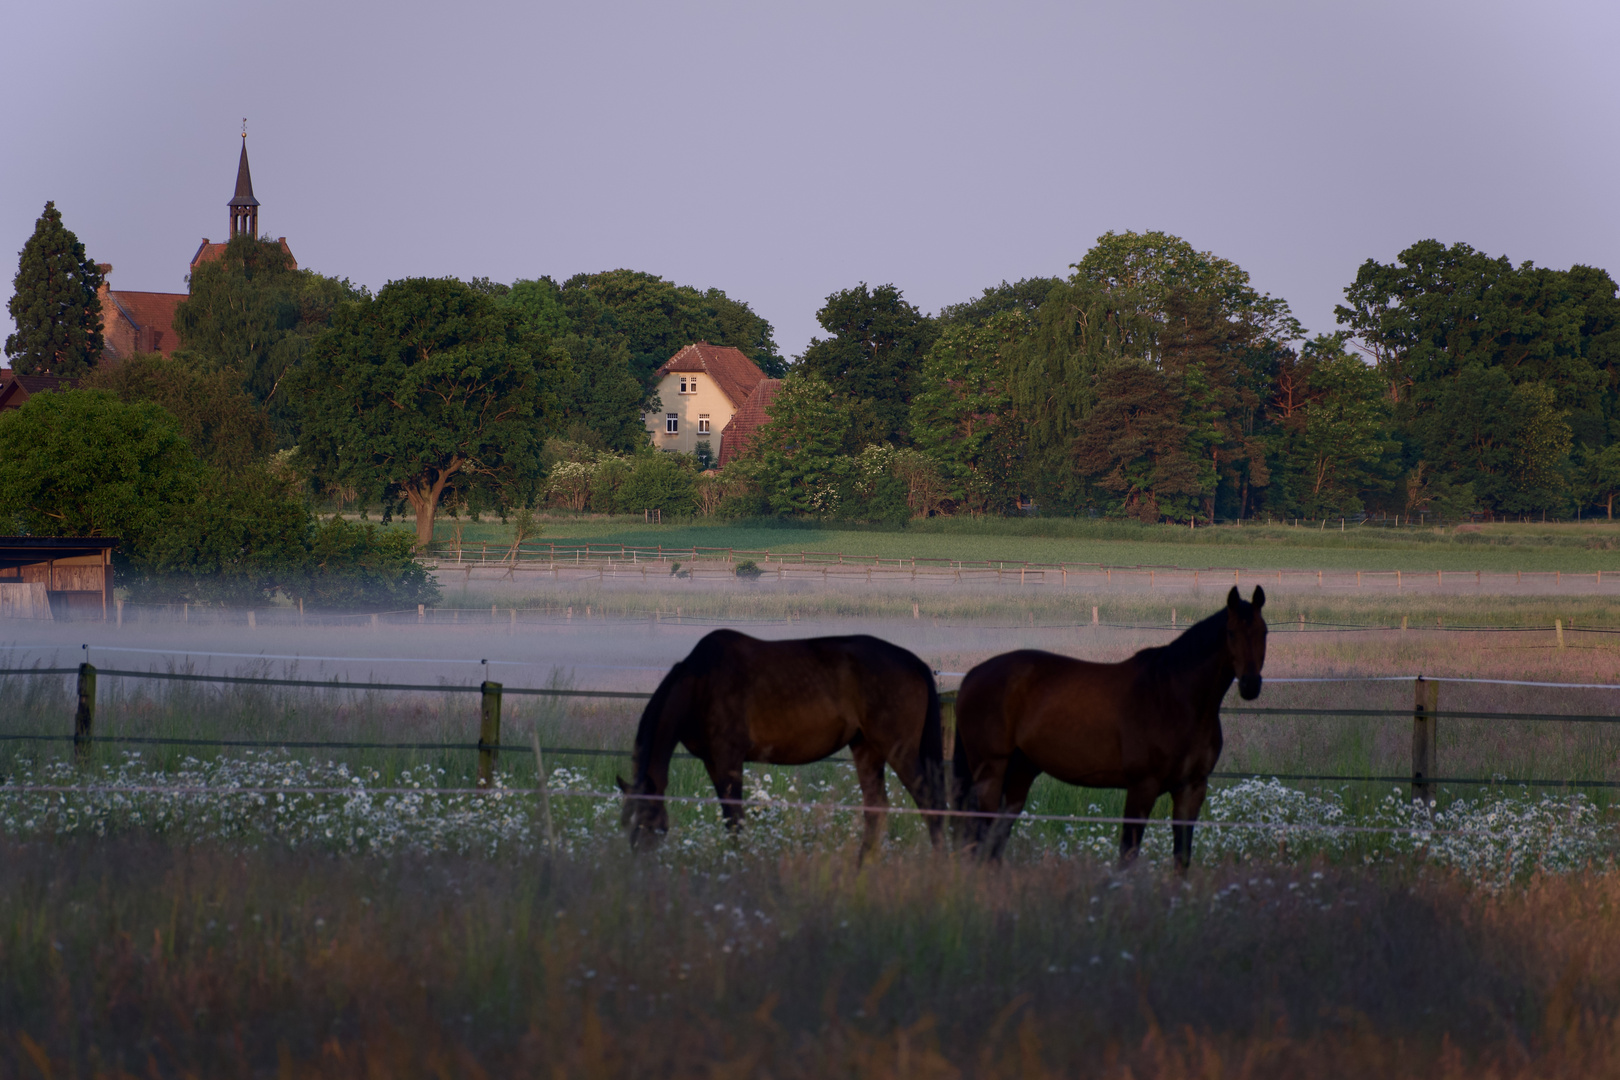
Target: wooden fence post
column 1426, row 700
column 489, row 733
column 84, row 719
column 1558, row 628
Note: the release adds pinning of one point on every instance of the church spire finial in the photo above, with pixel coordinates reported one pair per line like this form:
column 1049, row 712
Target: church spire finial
column 244, row 207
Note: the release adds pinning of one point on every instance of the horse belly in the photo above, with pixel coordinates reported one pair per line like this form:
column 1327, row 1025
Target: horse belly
column 1083, row 751
column 797, row 733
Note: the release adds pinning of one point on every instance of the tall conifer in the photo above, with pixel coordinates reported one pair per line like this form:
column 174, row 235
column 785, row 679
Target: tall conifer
column 54, row 303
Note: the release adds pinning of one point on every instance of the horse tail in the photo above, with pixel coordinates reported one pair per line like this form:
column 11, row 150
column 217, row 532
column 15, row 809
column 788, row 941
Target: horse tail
column 932, row 750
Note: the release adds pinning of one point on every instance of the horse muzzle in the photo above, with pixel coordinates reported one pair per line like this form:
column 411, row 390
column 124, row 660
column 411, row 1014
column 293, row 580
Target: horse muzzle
column 1249, row 686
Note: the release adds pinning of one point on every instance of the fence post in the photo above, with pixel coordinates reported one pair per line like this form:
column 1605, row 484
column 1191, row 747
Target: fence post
column 1558, row 628
column 84, row 719
column 1425, row 701
column 489, row 733
column 947, row 721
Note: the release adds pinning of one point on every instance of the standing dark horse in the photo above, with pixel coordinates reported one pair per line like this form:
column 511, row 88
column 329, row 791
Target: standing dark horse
column 737, row 699
column 1150, row 724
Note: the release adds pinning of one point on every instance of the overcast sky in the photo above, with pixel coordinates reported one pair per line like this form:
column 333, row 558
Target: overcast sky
column 781, row 151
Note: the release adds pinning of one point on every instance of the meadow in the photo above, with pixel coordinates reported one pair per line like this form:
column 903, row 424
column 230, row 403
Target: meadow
column 326, row 912
column 1499, row 547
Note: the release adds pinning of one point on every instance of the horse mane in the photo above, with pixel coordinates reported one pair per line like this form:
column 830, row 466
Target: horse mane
column 651, row 717
column 1198, row 641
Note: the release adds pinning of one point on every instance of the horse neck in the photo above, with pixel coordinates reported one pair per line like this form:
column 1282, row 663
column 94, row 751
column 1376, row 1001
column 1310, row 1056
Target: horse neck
column 1203, row 655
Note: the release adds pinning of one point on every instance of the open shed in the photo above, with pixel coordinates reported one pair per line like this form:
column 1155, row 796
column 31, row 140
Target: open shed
column 50, row 577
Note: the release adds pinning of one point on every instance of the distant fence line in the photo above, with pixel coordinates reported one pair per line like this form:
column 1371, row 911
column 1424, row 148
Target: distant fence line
column 1425, row 715
column 602, row 561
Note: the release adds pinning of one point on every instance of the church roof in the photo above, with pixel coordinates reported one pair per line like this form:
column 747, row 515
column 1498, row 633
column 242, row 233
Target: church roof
column 244, row 181
column 730, row 368
column 152, row 312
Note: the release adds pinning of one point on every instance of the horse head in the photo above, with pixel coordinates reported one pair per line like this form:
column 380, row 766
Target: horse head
column 645, row 819
column 1246, row 639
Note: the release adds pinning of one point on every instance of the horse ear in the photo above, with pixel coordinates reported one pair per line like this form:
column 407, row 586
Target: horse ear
column 1233, row 599
column 624, row 787
column 1259, row 598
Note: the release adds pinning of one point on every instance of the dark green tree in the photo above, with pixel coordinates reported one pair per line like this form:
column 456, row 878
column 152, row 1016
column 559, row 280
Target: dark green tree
column 226, row 428
column 83, row 463
column 431, row 386
column 1329, row 432
column 54, row 303
column 872, row 361
column 655, row 318
column 963, row 414
column 250, row 313
column 799, row 449
column 1025, row 298
column 1136, row 445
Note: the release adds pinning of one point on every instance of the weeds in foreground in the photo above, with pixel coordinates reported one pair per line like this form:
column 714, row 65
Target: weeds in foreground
column 140, row 956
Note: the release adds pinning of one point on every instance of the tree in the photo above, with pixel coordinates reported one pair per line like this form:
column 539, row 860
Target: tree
column 871, row 361
column 54, row 303
column 1330, row 437
column 659, row 481
column 251, row 314
column 83, row 463
column 1025, row 298
column 655, row 318
column 799, row 447
column 226, row 428
column 1603, row 477
column 429, row 385
column 963, row 414
column 1510, row 443
column 1136, row 445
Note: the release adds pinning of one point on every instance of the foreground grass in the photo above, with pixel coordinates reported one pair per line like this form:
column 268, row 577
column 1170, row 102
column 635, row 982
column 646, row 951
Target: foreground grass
column 139, row 957
column 1583, row 547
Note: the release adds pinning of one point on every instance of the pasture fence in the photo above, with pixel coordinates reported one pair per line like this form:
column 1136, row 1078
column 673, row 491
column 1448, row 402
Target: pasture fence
column 1425, row 715
column 610, row 562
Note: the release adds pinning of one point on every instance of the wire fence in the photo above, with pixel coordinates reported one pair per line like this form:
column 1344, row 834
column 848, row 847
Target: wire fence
column 489, row 744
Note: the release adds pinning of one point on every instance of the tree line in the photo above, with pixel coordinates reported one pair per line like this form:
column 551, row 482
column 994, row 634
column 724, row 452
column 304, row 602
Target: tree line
column 1153, row 382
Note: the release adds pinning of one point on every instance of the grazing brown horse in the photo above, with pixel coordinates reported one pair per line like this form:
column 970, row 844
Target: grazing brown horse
column 1150, row 724
column 738, row 699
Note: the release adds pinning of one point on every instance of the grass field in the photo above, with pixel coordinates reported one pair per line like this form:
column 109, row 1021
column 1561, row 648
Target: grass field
column 1498, row 547
column 137, row 957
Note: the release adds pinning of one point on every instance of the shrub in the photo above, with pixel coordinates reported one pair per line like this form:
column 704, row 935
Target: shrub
column 659, row 482
column 354, row 564
column 748, row 570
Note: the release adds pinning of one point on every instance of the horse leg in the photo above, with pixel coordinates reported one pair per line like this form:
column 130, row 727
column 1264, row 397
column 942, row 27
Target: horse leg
column 1186, row 803
column 1139, row 801
column 874, row 794
column 728, row 785
column 983, row 797
column 913, row 779
column 1020, row 775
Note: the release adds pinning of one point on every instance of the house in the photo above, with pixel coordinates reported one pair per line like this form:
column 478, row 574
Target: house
column 735, row 436
column 16, row 389
column 701, row 388
column 133, row 322
column 55, row 577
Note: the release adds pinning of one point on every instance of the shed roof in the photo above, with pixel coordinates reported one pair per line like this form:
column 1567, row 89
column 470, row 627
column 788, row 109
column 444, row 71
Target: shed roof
column 30, row 550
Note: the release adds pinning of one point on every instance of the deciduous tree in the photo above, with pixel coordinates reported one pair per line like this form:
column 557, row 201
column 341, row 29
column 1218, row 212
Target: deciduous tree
column 429, row 385
column 871, row 361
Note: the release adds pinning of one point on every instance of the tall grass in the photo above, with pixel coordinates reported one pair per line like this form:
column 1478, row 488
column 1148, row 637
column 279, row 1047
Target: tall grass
column 145, row 958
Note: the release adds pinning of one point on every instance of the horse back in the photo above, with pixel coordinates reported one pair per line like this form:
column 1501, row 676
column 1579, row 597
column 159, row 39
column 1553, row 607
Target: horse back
column 797, row 701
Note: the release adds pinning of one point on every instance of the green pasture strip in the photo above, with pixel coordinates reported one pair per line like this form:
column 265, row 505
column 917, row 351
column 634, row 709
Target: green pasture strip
column 1495, row 548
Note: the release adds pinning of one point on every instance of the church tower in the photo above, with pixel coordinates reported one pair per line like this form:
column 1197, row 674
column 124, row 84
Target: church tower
column 244, row 207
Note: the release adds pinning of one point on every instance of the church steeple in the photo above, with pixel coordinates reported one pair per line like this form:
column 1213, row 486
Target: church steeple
column 244, row 207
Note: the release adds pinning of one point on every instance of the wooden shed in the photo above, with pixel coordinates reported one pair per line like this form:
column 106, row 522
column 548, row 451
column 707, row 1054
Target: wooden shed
column 49, row 577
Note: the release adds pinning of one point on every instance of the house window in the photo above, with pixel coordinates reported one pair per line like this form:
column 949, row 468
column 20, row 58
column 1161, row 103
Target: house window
column 683, row 384
column 672, row 423
column 688, row 384
column 703, row 423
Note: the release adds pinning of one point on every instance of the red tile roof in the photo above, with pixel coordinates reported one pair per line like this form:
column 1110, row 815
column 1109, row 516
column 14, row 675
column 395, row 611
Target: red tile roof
column 208, row 251
column 19, row 388
column 730, row 368
column 151, row 317
column 736, row 435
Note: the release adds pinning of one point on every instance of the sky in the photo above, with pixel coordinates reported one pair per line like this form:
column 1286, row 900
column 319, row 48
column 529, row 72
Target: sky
column 783, row 151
